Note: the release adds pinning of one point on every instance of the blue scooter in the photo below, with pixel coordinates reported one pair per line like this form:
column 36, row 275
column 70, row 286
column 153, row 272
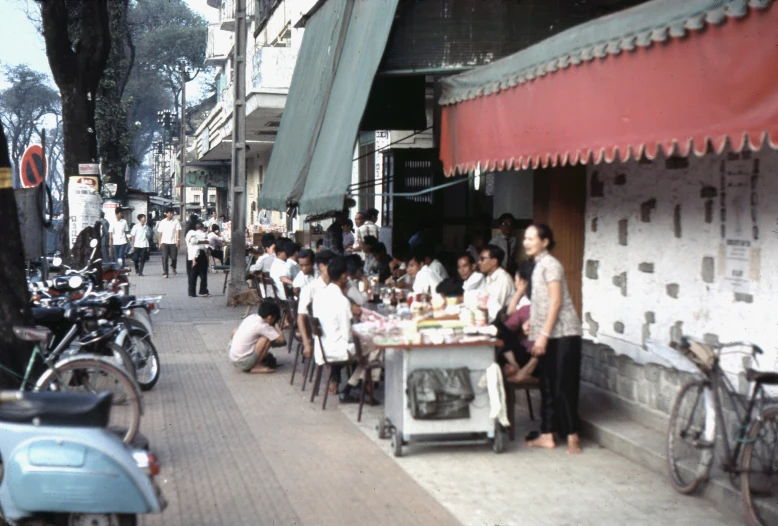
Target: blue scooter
column 61, row 465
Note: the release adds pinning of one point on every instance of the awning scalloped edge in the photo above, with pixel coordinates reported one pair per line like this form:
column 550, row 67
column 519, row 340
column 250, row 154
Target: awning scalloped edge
column 629, row 42
column 626, row 153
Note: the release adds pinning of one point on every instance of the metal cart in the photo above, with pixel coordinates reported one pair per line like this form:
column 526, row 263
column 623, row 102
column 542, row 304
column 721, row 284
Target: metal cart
column 398, row 421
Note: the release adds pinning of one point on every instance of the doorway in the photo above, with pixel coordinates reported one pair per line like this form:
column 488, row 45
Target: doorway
column 560, row 202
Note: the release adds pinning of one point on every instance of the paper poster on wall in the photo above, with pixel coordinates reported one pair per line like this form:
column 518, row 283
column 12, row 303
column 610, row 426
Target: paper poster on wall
column 138, row 207
column 85, row 205
column 109, row 207
column 740, row 227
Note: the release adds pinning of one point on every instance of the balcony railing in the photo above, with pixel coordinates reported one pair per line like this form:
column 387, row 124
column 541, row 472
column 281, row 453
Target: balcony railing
column 219, row 44
column 272, row 67
column 227, row 15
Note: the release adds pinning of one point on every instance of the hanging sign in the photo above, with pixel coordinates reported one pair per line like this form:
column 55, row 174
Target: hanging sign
column 89, row 169
column 32, row 169
column 213, row 176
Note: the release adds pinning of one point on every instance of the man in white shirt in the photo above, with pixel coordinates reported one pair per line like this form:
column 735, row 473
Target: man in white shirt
column 169, row 241
column 119, row 231
column 292, row 250
column 499, row 284
column 308, row 293
column 333, row 310
column 468, row 271
column 306, row 274
column 251, row 341
column 280, row 271
column 425, row 281
column 139, row 237
column 265, row 261
column 368, row 228
column 508, row 242
column 213, row 220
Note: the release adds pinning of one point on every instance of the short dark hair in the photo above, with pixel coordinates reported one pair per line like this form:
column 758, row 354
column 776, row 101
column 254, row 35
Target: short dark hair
column 349, row 222
column 525, row 272
column 505, row 216
column 283, row 248
column 417, row 255
column 466, row 254
column 324, row 257
column 451, row 288
column 371, row 214
column 370, row 240
column 354, row 264
column 495, row 252
column 292, row 248
column 223, row 216
column 269, row 308
column 424, row 251
column 337, row 268
column 268, row 240
column 215, row 228
column 319, row 242
column 141, row 216
column 545, row 233
column 169, row 211
column 102, row 214
column 305, row 253
column 379, row 248
column 199, row 224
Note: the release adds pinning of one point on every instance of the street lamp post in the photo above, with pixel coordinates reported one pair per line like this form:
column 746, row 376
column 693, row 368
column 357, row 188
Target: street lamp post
column 165, row 118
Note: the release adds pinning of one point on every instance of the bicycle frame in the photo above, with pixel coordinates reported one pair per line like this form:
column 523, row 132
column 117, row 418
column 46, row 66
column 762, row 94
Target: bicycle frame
column 49, row 359
column 719, row 381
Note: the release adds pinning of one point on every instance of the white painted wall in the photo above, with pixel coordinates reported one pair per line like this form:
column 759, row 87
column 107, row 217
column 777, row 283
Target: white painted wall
column 702, row 307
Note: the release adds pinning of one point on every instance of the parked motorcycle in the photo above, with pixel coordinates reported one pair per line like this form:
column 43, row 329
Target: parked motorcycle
column 61, row 466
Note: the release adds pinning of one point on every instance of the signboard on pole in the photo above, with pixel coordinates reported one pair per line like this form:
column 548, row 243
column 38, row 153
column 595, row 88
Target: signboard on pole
column 84, row 203
column 32, row 169
column 212, row 176
column 89, row 169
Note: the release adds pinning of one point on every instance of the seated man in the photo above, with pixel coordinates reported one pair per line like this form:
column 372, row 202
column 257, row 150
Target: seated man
column 426, row 252
column 355, row 277
column 424, row 279
column 383, row 262
column 306, row 274
column 265, row 261
column 333, row 310
column 307, row 293
column 281, row 269
column 292, row 251
column 468, row 271
column 499, row 284
column 251, row 341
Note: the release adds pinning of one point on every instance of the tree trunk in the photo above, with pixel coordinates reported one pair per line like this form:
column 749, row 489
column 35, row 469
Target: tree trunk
column 14, row 298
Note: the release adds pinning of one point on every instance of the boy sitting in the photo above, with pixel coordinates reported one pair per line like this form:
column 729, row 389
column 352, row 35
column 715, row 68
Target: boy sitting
column 251, row 341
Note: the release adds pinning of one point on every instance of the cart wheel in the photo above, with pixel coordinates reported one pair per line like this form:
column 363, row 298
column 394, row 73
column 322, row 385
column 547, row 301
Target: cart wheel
column 381, row 428
column 498, row 445
column 397, row 445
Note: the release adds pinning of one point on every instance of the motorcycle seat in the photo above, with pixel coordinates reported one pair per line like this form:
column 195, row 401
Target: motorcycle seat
column 59, row 409
column 48, row 315
column 126, row 300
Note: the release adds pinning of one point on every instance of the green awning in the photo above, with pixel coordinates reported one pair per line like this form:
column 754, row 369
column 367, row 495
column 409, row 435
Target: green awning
column 311, row 162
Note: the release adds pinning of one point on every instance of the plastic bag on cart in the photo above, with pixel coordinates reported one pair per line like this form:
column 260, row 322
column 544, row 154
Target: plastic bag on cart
column 440, row 394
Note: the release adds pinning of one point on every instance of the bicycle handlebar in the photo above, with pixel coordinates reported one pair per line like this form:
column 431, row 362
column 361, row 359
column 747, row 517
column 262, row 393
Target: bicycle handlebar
column 755, row 349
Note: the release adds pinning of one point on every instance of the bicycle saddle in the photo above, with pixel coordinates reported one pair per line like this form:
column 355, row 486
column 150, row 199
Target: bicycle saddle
column 762, row 377
column 59, row 409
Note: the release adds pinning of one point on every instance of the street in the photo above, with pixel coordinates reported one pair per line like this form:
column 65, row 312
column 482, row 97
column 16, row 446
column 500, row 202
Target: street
column 250, row 449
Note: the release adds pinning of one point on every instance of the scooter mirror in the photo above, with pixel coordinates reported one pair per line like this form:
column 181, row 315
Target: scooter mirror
column 56, row 262
column 93, row 243
column 75, row 282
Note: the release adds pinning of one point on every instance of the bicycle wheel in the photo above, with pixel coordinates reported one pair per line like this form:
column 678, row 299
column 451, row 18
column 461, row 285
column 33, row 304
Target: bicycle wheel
column 143, row 354
column 759, row 478
column 690, row 437
column 99, row 375
column 120, row 357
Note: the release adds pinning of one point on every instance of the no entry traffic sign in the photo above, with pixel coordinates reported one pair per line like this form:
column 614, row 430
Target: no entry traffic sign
column 32, row 170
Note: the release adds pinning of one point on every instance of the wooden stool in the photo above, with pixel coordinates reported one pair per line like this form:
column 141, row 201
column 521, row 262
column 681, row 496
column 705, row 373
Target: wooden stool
column 510, row 399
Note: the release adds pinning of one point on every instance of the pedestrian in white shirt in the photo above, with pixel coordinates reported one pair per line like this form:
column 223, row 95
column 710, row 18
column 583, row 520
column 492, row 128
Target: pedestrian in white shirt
column 333, row 310
column 213, row 220
column 265, row 261
column 499, row 284
column 197, row 260
column 308, row 293
column 169, row 242
column 425, row 281
column 119, row 231
column 280, row 270
column 368, row 228
column 139, row 236
column 472, row 280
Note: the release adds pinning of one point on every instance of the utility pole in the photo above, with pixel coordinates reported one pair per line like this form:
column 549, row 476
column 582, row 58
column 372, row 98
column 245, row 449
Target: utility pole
column 238, row 171
column 182, row 140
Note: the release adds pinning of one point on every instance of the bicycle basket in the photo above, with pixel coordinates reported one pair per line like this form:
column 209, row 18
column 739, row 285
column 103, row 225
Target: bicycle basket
column 701, row 354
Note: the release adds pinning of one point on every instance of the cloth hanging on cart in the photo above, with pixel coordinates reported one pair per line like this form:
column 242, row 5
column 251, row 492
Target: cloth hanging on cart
column 493, row 381
column 440, row 394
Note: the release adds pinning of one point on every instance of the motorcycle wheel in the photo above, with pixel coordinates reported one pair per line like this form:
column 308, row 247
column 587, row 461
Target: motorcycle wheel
column 143, row 354
column 101, row 519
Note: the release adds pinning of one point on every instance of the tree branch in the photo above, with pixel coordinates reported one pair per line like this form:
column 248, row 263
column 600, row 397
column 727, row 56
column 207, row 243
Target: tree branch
column 59, row 49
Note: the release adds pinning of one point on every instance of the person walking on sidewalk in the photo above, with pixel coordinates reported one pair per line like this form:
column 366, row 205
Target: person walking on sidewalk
column 139, row 237
column 119, row 238
column 169, row 243
column 556, row 332
column 105, row 238
column 197, row 260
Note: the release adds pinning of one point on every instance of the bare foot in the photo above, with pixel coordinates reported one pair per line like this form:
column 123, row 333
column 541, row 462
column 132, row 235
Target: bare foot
column 333, row 388
column 543, row 441
column 262, row 370
column 574, row 445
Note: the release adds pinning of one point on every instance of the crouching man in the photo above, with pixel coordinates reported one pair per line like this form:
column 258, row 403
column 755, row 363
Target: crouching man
column 252, row 340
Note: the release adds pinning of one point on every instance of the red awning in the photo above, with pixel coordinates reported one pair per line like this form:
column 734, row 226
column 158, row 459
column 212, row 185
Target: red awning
column 708, row 78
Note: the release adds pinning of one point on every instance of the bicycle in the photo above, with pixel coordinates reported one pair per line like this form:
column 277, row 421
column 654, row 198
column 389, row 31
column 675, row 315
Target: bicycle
column 750, row 452
column 83, row 372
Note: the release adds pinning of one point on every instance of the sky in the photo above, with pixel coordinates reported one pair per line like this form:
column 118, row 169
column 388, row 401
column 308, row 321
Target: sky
column 20, row 43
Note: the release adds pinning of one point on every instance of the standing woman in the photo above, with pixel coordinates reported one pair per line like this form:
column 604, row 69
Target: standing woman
column 556, row 331
column 197, row 260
